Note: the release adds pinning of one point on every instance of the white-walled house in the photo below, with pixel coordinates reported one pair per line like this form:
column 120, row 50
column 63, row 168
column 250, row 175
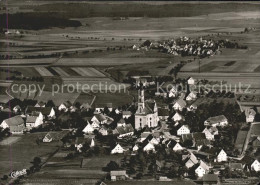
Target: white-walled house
column 149, row 147
column 34, row 121
column 65, row 106
column 117, row 150
column 177, row 117
column 184, row 129
column 255, row 166
column 192, row 107
column 88, row 129
column 126, row 114
column 191, row 96
column 15, row 124
column 250, row 115
column 17, row 109
column 173, row 92
column 202, row 169
column 177, row 146
column 179, row 105
column 47, row 138
column 99, row 118
column 222, row 156
column 216, row 121
column 208, row 134
column 191, row 81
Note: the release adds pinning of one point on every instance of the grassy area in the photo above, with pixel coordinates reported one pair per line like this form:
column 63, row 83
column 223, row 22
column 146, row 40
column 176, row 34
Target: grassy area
column 20, row 154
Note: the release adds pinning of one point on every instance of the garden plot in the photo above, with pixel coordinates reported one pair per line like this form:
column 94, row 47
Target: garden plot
column 43, row 71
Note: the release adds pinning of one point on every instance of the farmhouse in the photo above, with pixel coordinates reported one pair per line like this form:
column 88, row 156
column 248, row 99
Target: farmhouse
column 184, row 129
column 191, row 81
column 191, row 96
column 147, row 112
column 216, row 121
column 209, row 133
column 179, row 104
column 34, row 121
column 149, row 147
column 250, row 115
column 124, row 130
column 47, row 112
column 40, row 104
column 255, row 166
column 55, row 136
column 202, row 169
column 88, row 129
column 99, row 108
column 177, row 117
column 85, row 106
column 118, row 175
column 173, row 92
column 126, row 114
column 47, row 138
column 17, row 109
column 190, row 160
column 15, row 124
column 192, row 107
column 163, row 114
column 118, row 149
column 65, row 106
column 101, row 119
column 174, row 145
column 222, row 156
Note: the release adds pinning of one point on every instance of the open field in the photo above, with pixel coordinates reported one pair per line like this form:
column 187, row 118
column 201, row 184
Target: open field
column 19, row 154
column 10, row 140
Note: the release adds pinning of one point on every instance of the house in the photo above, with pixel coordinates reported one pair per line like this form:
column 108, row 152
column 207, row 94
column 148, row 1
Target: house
column 17, row 109
column 92, row 144
column 135, row 148
column 149, row 147
column 15, row 124
column 118, row 149
column 222, row 156
column 208, row 134
column 147, row 112
column 255, row 166
column 47, row 138
column 173, row 92
column 103, row 130
column 85, row 106
column 177, row 117
column 174, row 145
column 210, row 179
column 179, row 104
column 191, row 96
column 163, row 114
column 216, row 121
column 47, row 112
column 40, row 104
column 34, row 121
column 184, row 129
column 190, row 160
column 126, row 114
column 192, row 107
column 100, row 119
column 235, row 166
column 154, row 141
column 250, row 115
column 65, row 106
column 95, row 125
column 79, row 143
column 99, row 108
column 191, row 81
column 124, row 130
column 118, row 175
column 88, row 129
column 121, row 122
column 202, row 169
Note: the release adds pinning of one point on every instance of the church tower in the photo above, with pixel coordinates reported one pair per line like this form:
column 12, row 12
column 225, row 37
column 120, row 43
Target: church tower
column 140, row 100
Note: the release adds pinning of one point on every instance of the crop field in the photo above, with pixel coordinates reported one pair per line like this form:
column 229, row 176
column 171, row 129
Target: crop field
column 117, row 99
column 43, row 71
column 10, row 140
column 60, row 71
column 88, row 72
column 19, row 154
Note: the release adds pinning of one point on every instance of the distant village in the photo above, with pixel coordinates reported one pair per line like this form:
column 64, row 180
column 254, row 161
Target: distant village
column 208, row 143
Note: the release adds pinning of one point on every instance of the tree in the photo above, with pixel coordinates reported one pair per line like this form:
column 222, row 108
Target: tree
column 112, row 165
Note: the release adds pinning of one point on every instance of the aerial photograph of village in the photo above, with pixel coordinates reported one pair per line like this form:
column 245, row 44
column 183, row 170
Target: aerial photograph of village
column 129, row 92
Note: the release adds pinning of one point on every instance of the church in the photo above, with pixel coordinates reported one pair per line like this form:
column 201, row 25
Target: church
column 147, row 112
